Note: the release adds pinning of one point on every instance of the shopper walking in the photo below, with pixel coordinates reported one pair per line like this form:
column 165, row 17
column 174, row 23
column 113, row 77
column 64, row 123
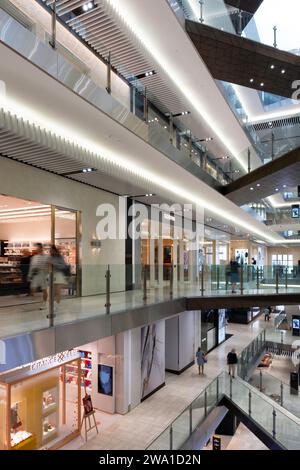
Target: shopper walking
column 60, row 273
column 38, row 273
column 267, row 313
column 234, row 274
column 232, row 361
column 201, row 360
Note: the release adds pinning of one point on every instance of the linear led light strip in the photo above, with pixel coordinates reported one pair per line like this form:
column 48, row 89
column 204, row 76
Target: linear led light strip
column 43, row 122
column 29, row 208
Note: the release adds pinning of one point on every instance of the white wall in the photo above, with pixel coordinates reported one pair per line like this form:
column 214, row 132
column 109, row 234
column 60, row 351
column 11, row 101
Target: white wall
column 183, row 337
column 23, row 181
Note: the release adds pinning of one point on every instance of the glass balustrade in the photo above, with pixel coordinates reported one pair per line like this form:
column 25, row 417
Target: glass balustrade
column 177, row 143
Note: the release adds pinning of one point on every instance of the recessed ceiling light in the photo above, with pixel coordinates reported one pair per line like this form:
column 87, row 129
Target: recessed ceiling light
column 251, row 80
column 284, row 186
column 283, row 71
column 262, row 84
column 272, row 66
column 276, row 189
column 251, row 189
column 258, row 185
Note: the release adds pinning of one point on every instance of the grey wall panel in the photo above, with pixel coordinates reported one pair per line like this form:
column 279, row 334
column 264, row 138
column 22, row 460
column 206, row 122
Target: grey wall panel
column 172, row 343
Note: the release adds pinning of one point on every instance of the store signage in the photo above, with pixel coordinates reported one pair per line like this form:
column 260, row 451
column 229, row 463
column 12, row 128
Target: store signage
column 295, row 211
column 216, row 444
column 57, row 358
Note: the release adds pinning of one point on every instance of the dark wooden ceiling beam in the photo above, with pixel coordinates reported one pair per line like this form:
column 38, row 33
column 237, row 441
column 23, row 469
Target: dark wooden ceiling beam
column 251, row 6
column 235, row 59
column 282, row 171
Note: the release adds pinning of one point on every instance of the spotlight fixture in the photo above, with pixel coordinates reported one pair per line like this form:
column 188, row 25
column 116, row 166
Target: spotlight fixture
column 88, row 6
column 270, row 124
column 88, row 170
column 184, row 113
column 149, row 195
column 147, row 74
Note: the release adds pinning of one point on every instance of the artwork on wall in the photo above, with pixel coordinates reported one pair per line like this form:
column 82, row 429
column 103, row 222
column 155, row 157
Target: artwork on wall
column 105, row 379
column 152, row 357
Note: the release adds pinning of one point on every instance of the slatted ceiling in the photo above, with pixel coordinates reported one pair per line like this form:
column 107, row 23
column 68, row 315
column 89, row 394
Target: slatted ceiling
column 103, row 33
column 27, row 143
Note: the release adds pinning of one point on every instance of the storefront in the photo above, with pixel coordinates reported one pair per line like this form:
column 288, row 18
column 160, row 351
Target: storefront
column 25, row 223
column 40, row 403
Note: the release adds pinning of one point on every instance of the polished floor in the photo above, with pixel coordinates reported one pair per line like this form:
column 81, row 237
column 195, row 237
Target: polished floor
column 24, row 315
column 137, row 429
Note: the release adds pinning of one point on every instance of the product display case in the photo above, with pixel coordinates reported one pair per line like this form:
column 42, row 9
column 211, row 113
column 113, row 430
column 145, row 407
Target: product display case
column 35, row 410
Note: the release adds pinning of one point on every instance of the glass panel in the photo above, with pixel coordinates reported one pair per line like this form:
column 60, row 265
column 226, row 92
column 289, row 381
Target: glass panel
column 198, row 411
column 162, row 442
column 181, row 429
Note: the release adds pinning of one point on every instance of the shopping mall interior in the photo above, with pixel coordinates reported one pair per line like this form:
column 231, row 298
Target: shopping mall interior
column 149, row 225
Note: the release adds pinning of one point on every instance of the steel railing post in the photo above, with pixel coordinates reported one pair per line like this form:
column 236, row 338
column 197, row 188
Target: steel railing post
column 171, row 437
column 230, row 390
column 171, row 281
column 277, row 279
column 286, row 278
column 144, row 283
column 249, row 404
column 107, row 277
column 51, row 313
column 52, row 42
column 281, row 394
column 242, row 279
column 260, row 381
column 108, row 74
column 202, row 280
column 274, row 424
column 217, row 389
column 205, row 402
column 257, row 278
column 191, row 419
column 218, row 277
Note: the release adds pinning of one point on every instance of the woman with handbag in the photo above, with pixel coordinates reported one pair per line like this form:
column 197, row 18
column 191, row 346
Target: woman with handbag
column 201, row 360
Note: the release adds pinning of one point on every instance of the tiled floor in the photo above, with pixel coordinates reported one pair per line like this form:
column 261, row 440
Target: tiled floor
column 21, row 317
column 137, row 429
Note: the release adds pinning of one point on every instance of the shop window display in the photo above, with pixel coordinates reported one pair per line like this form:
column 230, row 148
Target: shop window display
column 43, row 414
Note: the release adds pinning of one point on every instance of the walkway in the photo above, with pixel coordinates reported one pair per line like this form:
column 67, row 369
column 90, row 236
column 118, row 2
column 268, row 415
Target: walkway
column 138, row 428
column 26, row 317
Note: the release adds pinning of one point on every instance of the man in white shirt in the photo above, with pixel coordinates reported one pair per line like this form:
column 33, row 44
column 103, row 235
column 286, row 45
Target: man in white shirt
column 38, row 273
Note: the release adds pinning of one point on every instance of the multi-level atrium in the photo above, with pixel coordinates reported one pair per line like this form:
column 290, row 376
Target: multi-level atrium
column 149, row 226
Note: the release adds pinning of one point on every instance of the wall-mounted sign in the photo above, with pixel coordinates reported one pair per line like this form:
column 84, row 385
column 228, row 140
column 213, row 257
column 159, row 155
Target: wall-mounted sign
column 216, row 442
column 295, row 211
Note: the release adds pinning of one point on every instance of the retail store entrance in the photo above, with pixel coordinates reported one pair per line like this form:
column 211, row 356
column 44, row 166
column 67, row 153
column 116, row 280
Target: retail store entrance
column 24, row 224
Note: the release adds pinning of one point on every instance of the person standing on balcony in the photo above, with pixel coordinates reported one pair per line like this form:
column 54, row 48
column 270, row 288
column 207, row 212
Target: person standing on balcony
column 201, row 360
column 232, row 361
column 234, row 274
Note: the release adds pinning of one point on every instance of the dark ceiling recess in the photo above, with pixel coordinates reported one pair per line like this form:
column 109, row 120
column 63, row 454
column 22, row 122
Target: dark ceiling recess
column 251, row 6
column 238, row 60
column 284, row 171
